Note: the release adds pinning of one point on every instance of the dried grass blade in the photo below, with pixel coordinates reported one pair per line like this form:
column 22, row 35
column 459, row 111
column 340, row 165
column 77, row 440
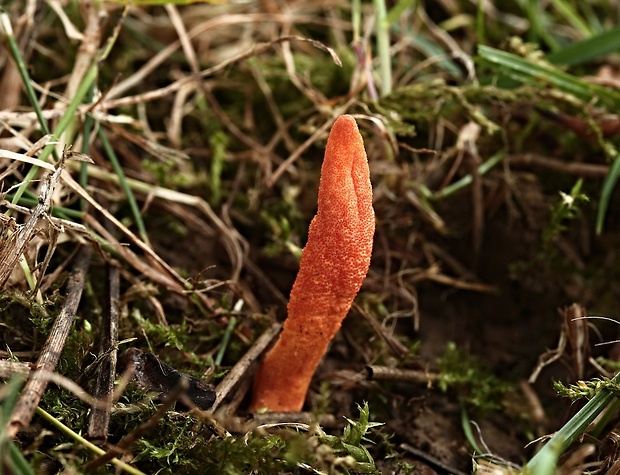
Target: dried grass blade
column 26, row 159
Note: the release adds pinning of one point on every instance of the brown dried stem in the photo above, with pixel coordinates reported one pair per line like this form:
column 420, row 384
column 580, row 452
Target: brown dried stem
column 50, row 354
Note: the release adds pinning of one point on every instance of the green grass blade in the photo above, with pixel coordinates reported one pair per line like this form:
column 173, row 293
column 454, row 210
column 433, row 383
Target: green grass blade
column 469, row 435
column 56, row 211
column 573, row 429
column 566, row 10
column 382, row 28
column 546, row 463
column 16, row 461
column 606, row 191
column 23, row 71
column 397, row 10
column 467, row 180
column 531, row 72
column 356, row 20
column 225, row 339
column 30, row 94
column 539, row 24
column 11, row 392
column 64, row 122
column 594, row 18
column 10, row 456
column 135, row 211
column 587, row 50
column 432, row 50
column 480, row 19
column 69, row 114
column 86, row 443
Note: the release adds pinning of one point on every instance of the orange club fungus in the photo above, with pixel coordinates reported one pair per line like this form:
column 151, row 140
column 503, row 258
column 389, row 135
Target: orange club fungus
column 333, row 265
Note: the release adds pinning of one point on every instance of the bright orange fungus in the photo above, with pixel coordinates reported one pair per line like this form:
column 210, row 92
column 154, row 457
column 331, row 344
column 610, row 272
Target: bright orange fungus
column 333, row 265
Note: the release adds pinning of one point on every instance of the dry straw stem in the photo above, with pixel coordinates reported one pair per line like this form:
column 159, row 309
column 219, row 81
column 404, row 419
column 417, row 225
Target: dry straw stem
column 99, row 419
column 50, row 355
column 232, row 240
column 236, row 373
column 333, row 265
column 176, row 85
column 13, row 369
column 13, row 244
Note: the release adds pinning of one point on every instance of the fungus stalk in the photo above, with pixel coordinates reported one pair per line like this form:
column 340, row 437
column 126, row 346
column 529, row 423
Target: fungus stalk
column 333, row 265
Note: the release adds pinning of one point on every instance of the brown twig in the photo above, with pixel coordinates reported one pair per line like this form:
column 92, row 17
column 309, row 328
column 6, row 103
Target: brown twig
column 240, row 369
column 586, row 170
column 399, row 350
column 386, row 373
column 106, row 371
column 50, row 355
column 10, row 369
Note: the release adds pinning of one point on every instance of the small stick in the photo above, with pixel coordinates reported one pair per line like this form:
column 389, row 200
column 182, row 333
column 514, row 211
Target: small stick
column 240, row 369
column 398, row 349
column 9, row 368
column 104, row 385
column 50, row 355
column 385, row 373
column 585, row 170
column 241, row 390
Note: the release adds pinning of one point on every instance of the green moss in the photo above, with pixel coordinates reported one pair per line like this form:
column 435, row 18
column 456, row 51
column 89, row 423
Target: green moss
column 474, row 384
column 175, row 336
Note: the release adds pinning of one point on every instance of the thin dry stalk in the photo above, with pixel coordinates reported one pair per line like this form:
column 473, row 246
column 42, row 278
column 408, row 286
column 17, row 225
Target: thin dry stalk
column 434, row 274
column 273, row 108
column 10, row 369
column 272, row 180
column 151, row 269
column 398, row 349
column 176, row 85
column 12, row 245
column 106, row 371
column 241, row 368
column 168, row 273
column 219, row 22
column 386, row 373
column 50, row 354
column 94, row 17
column 585, row 170
column 234, row 243
column 26, row 34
